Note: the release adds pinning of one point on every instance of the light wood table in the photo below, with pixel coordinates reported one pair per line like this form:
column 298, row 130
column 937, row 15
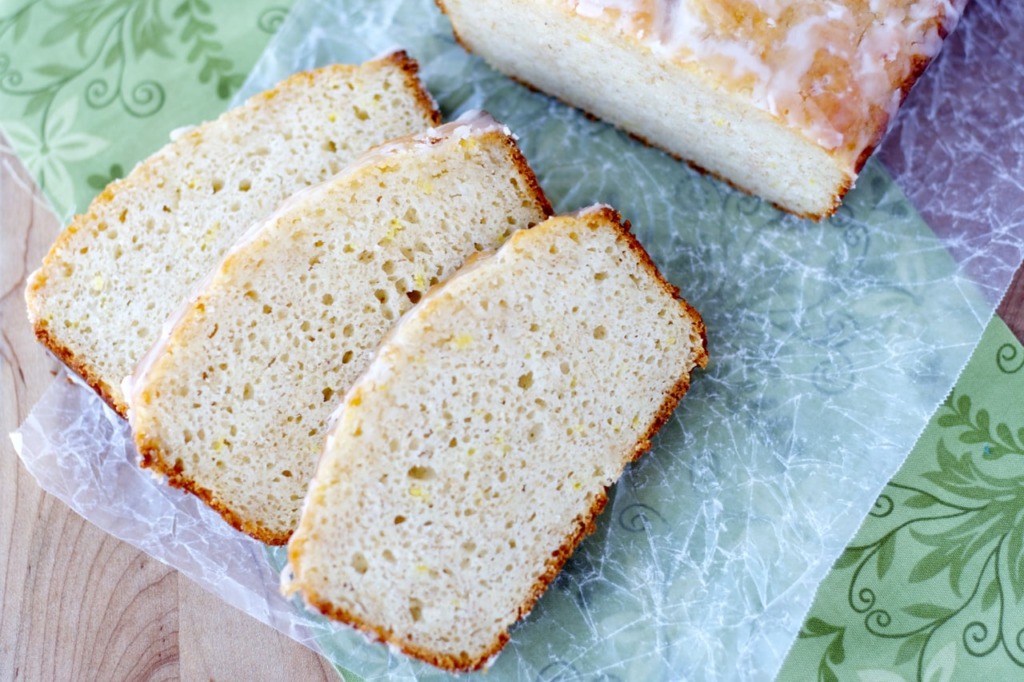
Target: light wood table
column 76, row 603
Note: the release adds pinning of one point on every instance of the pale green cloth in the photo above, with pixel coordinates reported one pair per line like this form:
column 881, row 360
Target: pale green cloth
column 90, row 87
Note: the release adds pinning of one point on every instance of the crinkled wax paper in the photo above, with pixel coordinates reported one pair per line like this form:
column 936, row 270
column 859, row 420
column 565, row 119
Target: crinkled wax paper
column 831, row 344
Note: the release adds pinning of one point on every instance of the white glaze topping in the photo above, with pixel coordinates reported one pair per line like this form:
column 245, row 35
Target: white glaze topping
column 831, row 69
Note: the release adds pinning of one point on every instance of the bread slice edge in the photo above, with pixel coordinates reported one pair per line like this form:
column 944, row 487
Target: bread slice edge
column 583, row 525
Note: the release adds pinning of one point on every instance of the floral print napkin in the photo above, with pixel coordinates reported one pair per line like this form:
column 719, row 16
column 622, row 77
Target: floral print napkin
column 930, row 588
column 90, row 87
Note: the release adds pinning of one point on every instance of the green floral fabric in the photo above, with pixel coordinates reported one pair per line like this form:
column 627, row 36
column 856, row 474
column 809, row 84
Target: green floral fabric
column 89, row 87
column 931, row 586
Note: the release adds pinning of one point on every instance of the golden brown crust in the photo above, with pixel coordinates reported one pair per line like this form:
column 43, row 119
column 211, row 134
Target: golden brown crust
column 521, row 164
column 78, row 366
column 411, row 68
column 151, row 457
column 700, row 359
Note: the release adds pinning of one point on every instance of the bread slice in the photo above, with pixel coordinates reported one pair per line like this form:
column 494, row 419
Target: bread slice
column 785, row 100
column 232, row 403
column 474, row 455
column 118, row 270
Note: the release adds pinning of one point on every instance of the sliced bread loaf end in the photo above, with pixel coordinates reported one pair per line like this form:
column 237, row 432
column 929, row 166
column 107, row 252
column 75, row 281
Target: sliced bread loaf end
column 119, row 269
column 232, row 404
column 474, row 455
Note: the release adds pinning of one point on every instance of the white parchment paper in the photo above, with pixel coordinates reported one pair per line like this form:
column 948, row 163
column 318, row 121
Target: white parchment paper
column 831, row 344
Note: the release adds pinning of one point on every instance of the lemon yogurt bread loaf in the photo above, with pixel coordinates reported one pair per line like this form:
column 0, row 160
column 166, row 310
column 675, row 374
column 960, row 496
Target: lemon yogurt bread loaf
column 118, row 270
column 232, row 402
column 473, row 456
column 784, row 99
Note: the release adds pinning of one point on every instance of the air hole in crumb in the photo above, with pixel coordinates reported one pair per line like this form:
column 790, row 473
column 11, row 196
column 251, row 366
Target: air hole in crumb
column 330, row 146
column 387, row 554
column 287, row 473
column 534, row 434
column 347, row 357
column 414, row 296
column 526, row 380
column 599, row 333
column 601, row 276
column 360, row 563
column 327, row 299
column 419, row 473
column 360, row 113
column 218, row 185
column 328, row 393
column 245, row 185
column 415, row 609
column 348, row 330
column 399, row 519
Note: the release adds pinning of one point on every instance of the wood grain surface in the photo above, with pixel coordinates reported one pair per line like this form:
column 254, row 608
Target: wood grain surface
column 76, row 603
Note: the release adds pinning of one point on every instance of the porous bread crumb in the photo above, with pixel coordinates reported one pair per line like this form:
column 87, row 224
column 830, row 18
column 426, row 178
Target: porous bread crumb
column 475, row 453
column 119, row 269
column 233, row 403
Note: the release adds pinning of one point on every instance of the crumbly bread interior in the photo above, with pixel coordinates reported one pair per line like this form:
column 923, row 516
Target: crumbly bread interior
column 474, row 455
column 232, row 404
column 669, row 104
column 118, row 270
